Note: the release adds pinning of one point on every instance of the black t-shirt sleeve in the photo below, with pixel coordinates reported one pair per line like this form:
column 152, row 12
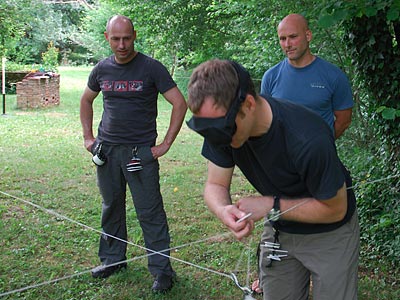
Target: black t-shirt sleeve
column 162, row 77
column 93, row 83
column 221, row 156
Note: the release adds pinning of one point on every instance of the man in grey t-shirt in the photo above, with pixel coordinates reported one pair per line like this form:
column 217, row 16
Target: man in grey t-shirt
column 125, row 149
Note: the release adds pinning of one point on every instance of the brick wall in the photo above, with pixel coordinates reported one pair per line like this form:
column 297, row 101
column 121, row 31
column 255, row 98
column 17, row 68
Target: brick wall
column 38, row 91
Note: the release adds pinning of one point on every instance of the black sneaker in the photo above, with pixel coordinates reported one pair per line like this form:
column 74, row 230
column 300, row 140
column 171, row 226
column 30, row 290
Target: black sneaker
column 104, row 271
column 163, row 283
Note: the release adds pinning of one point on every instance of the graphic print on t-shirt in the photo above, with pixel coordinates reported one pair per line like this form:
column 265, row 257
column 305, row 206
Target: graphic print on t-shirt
column 106, row 86
column 136, row 86
column 122, row 86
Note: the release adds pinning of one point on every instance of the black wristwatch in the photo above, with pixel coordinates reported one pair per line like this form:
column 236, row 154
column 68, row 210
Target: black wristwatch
column 275, row 211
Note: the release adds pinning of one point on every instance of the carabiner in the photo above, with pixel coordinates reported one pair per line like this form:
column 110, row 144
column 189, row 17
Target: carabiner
column 246, row 290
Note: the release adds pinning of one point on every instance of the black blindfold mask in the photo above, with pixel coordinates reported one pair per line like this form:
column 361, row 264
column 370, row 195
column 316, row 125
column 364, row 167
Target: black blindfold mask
column 220, row 130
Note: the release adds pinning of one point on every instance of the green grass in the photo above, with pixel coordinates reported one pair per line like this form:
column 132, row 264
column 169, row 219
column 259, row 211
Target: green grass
column 42, row 160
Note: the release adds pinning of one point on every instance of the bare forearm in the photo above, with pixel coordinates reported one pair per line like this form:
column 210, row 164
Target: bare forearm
column 342, row 121
column 86, row 112
column 340, row 129
column 86, row 115
column 304, row 210
column 216, row 198
column 177, row 116
column 179, row 108
column 310, row 210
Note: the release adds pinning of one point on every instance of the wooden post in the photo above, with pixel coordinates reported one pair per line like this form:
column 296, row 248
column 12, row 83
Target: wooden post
column 3, row 81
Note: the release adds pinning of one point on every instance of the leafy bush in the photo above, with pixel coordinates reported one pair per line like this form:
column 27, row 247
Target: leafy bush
column 50, row 58
column 372, row 37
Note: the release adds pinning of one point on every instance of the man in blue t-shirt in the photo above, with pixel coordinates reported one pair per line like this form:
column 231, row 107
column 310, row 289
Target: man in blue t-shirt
column 125, row 149
column 288, row 154
column 307, row 79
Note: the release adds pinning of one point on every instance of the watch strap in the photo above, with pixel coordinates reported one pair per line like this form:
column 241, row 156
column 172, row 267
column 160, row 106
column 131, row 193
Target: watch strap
column 277, row 204
column 275, row 212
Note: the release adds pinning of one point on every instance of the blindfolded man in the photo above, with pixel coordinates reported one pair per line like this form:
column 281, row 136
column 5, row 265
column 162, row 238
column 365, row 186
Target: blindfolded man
column 288, row 154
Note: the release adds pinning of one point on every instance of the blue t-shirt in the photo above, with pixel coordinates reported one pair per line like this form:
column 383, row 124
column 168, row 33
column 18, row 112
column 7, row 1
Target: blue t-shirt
column 130, row 92
column 320, row 86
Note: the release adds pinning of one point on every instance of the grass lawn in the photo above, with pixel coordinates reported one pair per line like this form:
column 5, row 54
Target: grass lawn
column 50, row 214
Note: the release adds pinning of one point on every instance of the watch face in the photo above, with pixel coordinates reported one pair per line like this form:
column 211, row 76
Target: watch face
column 274, row 215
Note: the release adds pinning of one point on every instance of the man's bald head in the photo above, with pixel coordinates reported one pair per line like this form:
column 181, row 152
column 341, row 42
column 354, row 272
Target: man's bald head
column 119, row 19
column 298, row 20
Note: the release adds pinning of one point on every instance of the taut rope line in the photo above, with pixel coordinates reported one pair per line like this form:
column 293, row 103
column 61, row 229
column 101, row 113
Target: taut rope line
column 153, row 252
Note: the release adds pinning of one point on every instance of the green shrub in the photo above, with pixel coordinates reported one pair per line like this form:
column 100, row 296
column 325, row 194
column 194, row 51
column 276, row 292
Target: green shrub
column 50, row 58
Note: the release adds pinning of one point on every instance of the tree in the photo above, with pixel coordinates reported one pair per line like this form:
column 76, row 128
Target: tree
column 13, row 17
column 372, row 38
column 28, row 26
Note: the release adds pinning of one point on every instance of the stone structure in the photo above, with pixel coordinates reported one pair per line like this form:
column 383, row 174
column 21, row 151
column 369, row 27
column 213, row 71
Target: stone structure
column 38, row 90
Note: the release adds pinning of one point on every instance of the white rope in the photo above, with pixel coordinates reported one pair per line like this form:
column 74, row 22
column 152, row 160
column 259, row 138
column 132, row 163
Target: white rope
column 115, row 237
column 153, row 252
column 89, row 270
column 374, row 181
column 248, row 266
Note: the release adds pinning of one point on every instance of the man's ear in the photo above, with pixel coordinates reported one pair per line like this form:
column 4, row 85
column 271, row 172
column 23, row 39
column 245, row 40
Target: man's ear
column 249, row 102
column 106, row 35
column 309, row 35
column 248, row 105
